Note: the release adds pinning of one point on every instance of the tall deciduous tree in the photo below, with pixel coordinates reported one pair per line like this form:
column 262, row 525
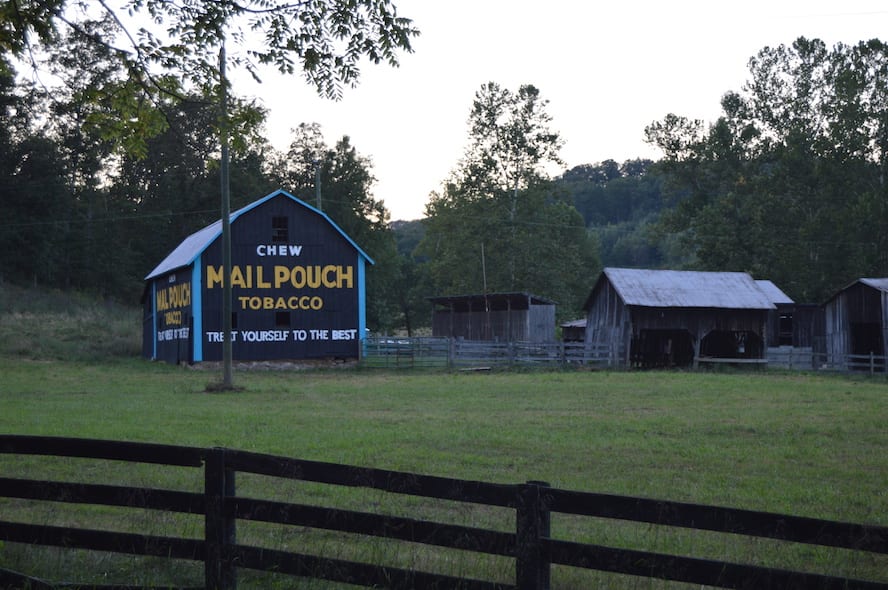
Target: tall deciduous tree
column 346, row 195
column 790, row 182
column 324, row 40
column 500, row 224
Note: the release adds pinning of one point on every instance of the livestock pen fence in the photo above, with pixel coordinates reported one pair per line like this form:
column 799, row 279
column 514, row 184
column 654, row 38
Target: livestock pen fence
column 457, row 353
column 529, row 543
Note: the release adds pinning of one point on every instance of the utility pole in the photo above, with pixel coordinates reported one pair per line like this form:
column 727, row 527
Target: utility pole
column 227, row 382
column 317, row 164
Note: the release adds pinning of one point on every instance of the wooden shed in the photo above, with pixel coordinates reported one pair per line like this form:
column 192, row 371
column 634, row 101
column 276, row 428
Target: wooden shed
column 504, row 317
column 662, row 318
column 856, row 321
column 574, row 330
column 297, row 284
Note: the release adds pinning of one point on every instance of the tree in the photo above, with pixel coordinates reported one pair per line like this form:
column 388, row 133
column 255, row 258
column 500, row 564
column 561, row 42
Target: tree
column 789, row 182
column 500, row 224
column 346, row 183
column 165, row 46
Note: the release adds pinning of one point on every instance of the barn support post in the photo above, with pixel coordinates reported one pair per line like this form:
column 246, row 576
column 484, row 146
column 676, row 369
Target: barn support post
column 698, row 342
column 533, row 526
column 219, row 526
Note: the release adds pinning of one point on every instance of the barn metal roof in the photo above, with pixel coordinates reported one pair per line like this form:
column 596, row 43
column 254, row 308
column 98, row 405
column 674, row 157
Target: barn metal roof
column 192, row 246
column 683, row 289
column 774, row 293
column 880, row 284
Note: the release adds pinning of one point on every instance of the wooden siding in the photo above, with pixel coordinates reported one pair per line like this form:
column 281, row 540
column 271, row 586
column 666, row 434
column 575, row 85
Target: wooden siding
column 527, row 325
column 500, row 317
column 855, row 318
column 699, row 322
column 608, row 321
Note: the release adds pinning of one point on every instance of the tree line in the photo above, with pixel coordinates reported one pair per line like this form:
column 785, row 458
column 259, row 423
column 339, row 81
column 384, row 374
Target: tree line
column 107, row 171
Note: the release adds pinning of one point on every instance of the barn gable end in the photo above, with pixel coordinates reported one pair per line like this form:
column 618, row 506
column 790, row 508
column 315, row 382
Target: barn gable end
column 856, row 320
column 298, row 289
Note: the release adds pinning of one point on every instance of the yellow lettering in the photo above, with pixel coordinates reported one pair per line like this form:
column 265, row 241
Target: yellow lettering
column 260, row 284
column 281, row 276
column 328, row 276
column 162, row 301
column 297, row 277
column 214, row 275
column 326, row 272
column 237, row 277
column 345, row 275
column 314, row 276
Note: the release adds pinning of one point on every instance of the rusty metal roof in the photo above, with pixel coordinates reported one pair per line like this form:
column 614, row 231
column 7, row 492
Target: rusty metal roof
column 682, row 288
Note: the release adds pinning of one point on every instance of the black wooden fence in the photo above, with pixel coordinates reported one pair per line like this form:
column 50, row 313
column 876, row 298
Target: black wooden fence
column 530, row 545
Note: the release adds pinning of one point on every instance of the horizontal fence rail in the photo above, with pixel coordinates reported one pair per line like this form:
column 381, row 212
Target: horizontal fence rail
column 530, row 544
column 457, row 353
column 460, row 354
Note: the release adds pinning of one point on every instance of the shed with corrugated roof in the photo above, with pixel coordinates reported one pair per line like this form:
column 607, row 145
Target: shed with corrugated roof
column 662, row 318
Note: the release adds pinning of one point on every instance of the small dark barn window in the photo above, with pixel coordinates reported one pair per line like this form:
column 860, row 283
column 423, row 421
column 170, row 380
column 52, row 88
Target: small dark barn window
column 282, row 319
column 280, row 230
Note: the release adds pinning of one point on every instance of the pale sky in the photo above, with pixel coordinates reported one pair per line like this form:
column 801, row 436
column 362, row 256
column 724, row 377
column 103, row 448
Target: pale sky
column 607, row 70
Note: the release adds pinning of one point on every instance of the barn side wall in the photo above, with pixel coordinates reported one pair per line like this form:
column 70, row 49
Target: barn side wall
column 700, row 322
column 542, row 323
column 884, row 297
column 608, row 322
column 849, row 314
column 499, row 325
column 168, row 319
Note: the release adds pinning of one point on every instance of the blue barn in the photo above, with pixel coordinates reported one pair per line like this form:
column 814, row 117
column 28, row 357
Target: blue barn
column 298, row 289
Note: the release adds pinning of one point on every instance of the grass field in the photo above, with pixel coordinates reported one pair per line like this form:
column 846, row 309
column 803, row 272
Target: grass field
column 801, row 444
column 790, row 443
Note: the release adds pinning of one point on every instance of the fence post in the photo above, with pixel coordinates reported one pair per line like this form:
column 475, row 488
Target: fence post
column 219, row 526
column 533, row 525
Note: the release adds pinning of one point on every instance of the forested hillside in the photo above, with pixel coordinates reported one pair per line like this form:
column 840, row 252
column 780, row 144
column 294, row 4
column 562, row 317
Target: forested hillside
column 788, row 184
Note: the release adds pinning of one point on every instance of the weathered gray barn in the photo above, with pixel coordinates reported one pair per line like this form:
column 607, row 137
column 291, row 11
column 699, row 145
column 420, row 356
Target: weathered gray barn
column 503, row 317
column 662, row 318
column 297, row 283
column 857, row 320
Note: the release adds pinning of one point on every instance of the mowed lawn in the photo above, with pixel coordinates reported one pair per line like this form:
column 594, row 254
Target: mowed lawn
column 802, row 444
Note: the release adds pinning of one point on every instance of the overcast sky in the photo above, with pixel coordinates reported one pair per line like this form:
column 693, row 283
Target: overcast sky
column 607, row 70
